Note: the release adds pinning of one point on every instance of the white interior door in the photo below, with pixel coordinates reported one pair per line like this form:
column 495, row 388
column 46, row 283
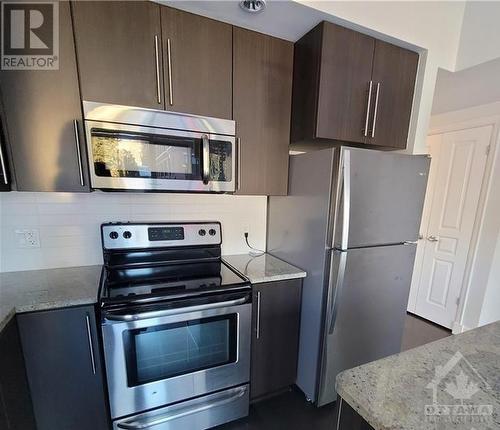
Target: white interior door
column 457, row 173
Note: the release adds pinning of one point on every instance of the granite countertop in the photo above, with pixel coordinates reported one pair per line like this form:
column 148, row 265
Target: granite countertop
column 439, row 386
column 263, row 268
column 36, row 290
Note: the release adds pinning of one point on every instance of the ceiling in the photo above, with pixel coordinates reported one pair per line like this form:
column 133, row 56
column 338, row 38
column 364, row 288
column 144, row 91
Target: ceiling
column 285, row 19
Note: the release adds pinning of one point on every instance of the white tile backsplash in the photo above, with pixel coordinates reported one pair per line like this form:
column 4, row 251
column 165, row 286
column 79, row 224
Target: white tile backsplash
column 68, row 223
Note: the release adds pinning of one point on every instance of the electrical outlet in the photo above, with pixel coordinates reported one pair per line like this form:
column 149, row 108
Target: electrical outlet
column 28, row 238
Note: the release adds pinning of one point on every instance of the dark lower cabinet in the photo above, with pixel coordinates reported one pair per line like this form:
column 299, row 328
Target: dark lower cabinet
column 275, row 340
column 64, row 369
column 16, row 412
column 42, row 121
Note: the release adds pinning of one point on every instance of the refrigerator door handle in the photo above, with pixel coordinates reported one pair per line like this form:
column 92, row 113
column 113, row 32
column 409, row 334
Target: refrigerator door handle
column 346, row 199
column 339, row 282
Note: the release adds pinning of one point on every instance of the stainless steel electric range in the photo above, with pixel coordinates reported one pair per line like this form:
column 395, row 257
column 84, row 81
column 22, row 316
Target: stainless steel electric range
column 176, row 326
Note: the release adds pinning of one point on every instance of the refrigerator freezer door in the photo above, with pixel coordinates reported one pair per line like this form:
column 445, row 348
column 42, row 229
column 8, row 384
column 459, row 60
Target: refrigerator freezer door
column 366, row 309
column 384, row 195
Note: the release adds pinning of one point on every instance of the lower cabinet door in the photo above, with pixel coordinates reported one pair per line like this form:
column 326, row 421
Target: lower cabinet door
column 65, row 377
column 16, row 412
column 275, row 340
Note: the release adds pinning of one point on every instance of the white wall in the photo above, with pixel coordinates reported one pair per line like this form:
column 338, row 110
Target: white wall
column 69, row 223
column 479, row 41
column 474, row 86
column 490, row 311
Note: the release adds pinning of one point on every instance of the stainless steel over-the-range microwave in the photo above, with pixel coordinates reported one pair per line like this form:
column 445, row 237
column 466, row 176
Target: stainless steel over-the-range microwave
column 131, row 148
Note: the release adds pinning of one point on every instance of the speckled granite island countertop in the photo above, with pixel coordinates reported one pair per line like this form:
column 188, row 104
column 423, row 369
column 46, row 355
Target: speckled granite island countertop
column 263, row 268
column 453, row 383
column 36, row 290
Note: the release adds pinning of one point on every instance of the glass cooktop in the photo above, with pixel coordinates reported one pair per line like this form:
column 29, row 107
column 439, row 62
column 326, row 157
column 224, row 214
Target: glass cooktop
column 154, row 282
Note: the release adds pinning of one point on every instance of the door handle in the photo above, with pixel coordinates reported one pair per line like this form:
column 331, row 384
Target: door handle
column 91, row 347
column 157, row 63
column 375, row 111
column 339, row 283
column 162, row 419
column 238, row 144
column 4, row 170
column 206, row 159
column 169, row 67
column 368, row 109
column 433, row 239
column 78, row 152
column 258, row 316
column 166, row 312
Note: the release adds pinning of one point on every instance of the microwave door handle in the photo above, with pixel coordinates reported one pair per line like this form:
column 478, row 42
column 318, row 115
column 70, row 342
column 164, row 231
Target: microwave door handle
column 206, row 159
column 177, row 311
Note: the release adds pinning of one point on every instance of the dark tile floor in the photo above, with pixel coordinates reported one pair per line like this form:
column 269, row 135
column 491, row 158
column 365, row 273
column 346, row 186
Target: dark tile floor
column 290, row 411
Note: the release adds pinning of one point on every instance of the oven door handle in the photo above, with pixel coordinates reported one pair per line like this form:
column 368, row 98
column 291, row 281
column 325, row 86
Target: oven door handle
column 137, row 424
column 177, row 311
column 206, row 158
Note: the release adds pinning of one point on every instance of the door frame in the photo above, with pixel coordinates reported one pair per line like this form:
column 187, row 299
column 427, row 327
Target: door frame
column 452, row 122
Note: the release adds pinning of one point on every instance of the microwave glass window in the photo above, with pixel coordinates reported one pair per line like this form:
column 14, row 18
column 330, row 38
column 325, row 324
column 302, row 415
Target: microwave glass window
column 221, row 161
column 142, row 156
column 165, row 351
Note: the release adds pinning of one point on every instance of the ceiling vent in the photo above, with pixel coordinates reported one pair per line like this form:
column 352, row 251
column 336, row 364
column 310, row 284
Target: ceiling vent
column 253, row 6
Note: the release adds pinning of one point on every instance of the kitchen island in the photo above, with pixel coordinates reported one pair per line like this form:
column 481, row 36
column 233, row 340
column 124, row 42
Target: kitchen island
column 453, row 383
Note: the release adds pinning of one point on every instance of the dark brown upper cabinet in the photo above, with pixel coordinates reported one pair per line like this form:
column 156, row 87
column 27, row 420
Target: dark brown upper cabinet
column 197, row 69
column 263, row 67
column 394, row 73
column 5, row 184
column 118, row 45
column 42, row 121
column 349, row 87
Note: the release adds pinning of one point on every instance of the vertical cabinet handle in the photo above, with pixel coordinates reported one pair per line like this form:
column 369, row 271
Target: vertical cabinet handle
column 367, row 118
column 169, row 66
column 375, row 110
column 4, row 170
column 258, row 315
column 157, row 61
column 91, row 347
column 78, row 153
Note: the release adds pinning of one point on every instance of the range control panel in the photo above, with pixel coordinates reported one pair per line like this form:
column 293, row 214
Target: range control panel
column 158, row 235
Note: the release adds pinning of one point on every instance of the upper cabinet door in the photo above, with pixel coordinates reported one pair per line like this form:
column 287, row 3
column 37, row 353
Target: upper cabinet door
column 197, row 54
column 346, row 68
column 42, row 121
column 118, row 46
column 263, row 67
column 394, row 74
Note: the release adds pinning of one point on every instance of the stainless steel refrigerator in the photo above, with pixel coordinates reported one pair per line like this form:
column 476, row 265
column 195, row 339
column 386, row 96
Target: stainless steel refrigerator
column 351, row 220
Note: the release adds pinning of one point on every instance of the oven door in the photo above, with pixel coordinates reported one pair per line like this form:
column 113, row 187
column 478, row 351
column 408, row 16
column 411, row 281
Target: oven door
column 164, row 354
column 129, row 157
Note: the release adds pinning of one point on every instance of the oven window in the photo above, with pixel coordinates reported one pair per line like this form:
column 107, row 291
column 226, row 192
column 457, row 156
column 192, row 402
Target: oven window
column 169, row 350
column 138, row 155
